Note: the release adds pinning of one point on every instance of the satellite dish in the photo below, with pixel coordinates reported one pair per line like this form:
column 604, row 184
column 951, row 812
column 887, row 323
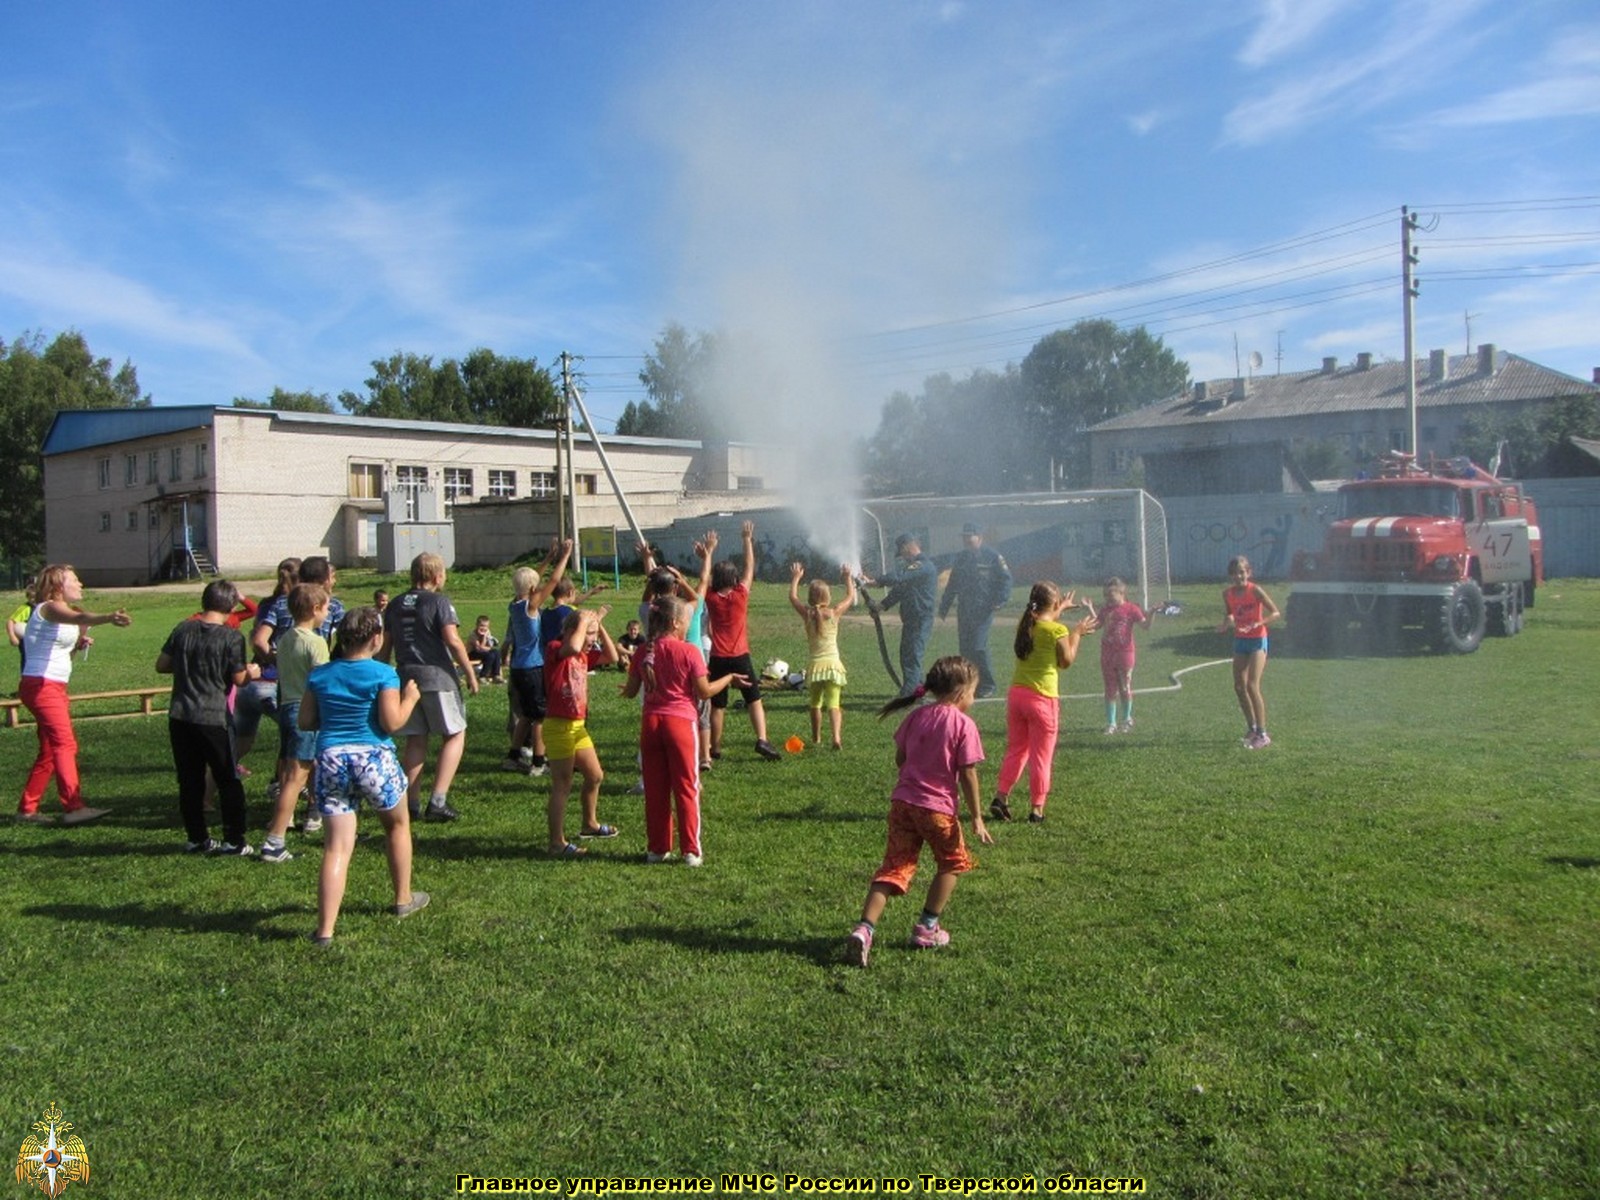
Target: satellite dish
column 1255, row 360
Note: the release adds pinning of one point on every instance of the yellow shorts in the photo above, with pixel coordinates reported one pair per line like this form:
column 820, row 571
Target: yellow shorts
column 564, row 737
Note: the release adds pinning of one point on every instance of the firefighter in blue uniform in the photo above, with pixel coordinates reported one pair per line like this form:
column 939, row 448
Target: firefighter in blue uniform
column 915, row 588
column 979, row 586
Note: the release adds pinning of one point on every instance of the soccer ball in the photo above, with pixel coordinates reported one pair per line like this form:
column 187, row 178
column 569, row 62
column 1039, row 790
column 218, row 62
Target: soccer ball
column 775, row 670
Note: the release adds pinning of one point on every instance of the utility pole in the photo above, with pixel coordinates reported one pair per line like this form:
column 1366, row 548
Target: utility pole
column 570, row 510
column 1408, row 260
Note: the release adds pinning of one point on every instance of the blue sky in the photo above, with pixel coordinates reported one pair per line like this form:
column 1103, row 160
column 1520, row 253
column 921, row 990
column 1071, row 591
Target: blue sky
column 237, row 199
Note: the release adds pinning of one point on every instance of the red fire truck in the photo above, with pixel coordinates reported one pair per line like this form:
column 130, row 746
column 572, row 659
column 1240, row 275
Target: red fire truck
column 1436, row 554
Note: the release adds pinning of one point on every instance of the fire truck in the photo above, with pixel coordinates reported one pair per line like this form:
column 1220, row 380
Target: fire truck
column 1433, row 554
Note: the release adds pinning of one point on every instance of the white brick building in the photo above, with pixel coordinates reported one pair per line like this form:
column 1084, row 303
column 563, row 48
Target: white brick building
column 129, row 491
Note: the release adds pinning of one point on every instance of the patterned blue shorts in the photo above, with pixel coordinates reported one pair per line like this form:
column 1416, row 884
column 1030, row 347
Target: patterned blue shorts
column 347, row 775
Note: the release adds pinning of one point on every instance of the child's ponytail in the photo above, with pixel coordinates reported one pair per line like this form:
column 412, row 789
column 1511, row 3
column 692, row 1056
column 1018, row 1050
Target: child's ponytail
column 947, row 678
column 1041, row 596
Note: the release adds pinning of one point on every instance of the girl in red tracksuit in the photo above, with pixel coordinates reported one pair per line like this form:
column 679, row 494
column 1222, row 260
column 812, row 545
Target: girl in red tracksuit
column 673, row 677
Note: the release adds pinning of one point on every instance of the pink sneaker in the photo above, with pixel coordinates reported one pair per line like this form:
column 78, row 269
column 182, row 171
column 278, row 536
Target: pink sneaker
column 1262, row 740
column 858, row 946
column 923, row 938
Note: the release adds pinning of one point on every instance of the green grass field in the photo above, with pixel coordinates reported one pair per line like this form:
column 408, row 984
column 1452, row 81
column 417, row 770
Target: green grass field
column 1361, row 962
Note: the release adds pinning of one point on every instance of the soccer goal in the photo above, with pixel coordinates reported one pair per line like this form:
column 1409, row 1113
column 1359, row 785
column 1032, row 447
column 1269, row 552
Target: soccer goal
column 1078, row 539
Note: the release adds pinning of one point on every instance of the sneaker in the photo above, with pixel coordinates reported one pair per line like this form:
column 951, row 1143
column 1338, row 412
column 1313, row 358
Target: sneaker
column 1126, row 726
column 276, row 854
column 1248, row 741
column 1110, row 729
column 924, row 937
column 415, row 809
column 438, row 810
column 653, row 858
column 538, row 770
column 767, row 750
column 517, row 765
column 234, row 850
column 418, row 902
column 82, row 816
column 999, row 809
column 693, row 860
column 312, row 823
column 1262, row 740
column 35, row 818
column 704, row 767
column 858, row 946
column 201, row 847
column 274, row 790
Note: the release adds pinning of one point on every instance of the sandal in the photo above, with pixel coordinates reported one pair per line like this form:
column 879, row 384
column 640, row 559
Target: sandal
column 599, row 831
column 570, row 850
column 999, row 809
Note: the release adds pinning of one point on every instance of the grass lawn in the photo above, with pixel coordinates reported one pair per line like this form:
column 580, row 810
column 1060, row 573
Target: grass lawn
column 1360, row 962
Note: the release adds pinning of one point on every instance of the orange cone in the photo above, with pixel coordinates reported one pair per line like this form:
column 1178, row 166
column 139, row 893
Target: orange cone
column 794, row 745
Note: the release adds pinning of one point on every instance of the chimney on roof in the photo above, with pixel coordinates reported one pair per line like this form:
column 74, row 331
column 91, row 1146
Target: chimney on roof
column 1202, row 391
column 1486, row 358
column 1597, row 374
column 1438, row 366
column 1330, row 365
column 1364, row 361
column 1241, row 389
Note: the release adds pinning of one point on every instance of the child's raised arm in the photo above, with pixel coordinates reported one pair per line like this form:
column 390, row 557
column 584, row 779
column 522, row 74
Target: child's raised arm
column 796, row 572
column 747, row 532
column 844, row 605
column 608, row 648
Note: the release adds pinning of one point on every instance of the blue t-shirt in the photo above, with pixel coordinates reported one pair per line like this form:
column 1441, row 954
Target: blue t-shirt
column 551, row 620
column 347, row 701
column 527, row 650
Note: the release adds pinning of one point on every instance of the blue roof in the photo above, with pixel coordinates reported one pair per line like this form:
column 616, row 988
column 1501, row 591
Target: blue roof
column 81, row 428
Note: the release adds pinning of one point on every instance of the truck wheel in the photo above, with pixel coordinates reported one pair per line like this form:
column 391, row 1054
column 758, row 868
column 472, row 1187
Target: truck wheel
column 1461, row 618
column 1505, row 614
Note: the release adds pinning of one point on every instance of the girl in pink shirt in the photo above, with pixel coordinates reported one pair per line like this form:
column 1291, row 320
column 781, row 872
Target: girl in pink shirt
column 673, row 677
column 937, row 749
column 1117, row 620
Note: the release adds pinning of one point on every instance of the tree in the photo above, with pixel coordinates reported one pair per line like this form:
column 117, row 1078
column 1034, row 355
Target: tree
column 1078, row 377
column 1536, row 444
column 35, row 384
column 484, row 390
column 678, row 374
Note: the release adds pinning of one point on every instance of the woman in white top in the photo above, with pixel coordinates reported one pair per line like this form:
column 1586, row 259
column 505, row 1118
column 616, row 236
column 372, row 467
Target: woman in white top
column 55, row 629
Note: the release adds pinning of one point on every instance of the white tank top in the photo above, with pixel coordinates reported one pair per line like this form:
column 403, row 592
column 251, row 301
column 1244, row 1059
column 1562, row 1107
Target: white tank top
column 48, row 648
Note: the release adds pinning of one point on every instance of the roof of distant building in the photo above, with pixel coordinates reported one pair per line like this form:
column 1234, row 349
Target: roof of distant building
column 1361, row 387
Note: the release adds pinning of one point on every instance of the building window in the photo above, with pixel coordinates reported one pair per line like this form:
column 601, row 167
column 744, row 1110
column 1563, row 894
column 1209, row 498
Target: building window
column 105, row 521
column 585, row 485
column 155, row 517
column 748, row 483
column 133, row 520
column 175, row 465
column 457, row 484
column 105, row 472
column 366, row 481
column 543, row 483
column 153, row 468
column 130, row 470
column 202, row 454
column 503, row 484
column 411, row 480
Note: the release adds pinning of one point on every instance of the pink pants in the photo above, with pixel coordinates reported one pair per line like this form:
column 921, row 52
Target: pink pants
column 58, row 745
column 1031, row 724
column 670, row 751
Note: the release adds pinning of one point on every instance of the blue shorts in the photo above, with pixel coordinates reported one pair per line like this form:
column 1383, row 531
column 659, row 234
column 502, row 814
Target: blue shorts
column 294, row 742
column 347, row 775
column 1249, row 645
column 253, row 701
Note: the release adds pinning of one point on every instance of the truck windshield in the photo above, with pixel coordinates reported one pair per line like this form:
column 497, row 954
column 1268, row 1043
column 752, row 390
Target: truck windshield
column 1409, row 500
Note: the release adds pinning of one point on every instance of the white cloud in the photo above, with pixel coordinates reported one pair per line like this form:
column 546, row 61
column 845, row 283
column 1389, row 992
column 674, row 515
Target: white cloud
column 1143, row 123
column 1286, row 25
column 1565, row 83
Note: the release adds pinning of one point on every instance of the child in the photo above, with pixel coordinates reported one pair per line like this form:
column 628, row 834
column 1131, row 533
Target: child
column 672, row 675
column 484, row 651
column 566, row 737
column 354, row 704
column 825, row 676
column 937, row 749
column 421, row 634
column 380, row 600
column 1117, row 620
column 628, row 644
column 300, row 651
column 526, row 657
column 1247, row 609
column 1043, row 647
column 728, row 605
column 205, row 657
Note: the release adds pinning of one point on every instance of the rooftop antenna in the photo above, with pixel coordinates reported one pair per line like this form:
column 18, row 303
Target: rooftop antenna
column 1467, row 318
column 1280, row 352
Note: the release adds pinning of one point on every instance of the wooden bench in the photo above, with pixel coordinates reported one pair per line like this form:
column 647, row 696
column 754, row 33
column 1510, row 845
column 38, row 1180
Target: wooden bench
column 146, row 696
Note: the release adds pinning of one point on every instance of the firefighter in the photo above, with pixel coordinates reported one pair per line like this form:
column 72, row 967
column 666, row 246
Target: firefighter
column 979, row 586
column 915, row 588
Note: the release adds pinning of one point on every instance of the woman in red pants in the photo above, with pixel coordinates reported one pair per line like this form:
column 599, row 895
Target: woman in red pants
column 56, row 628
